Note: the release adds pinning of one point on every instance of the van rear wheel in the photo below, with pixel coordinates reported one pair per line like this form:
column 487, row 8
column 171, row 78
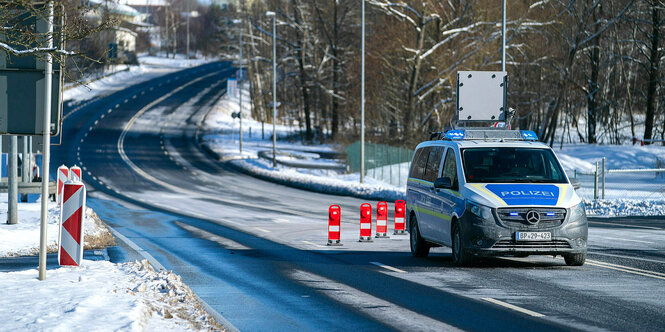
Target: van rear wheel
column 460, row 255
column 419, row 247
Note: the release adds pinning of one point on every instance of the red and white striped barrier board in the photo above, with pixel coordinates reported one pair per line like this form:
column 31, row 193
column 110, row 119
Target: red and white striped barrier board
column 334, row 225
column 72, row 217
column 400, row 212
column 366, row 222
column 381, row 219
column 35, row 172
column 63, row 176
column 75, row 173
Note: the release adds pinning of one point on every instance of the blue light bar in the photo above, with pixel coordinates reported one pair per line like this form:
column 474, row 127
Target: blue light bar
column 550, row 214
column 529, row 135
column 514, row 214
column 455, row 134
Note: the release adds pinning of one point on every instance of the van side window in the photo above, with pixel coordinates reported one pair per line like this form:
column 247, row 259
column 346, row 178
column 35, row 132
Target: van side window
column 450, row 168
column 433, row 163
column 419, row 163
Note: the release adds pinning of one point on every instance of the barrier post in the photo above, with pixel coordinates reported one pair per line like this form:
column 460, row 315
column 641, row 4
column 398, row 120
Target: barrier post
column 334, row 225
column 72, row 218
column 400, row 212
column 75, row 173
column 63, row 176
column 365, row 222
column 381, row 220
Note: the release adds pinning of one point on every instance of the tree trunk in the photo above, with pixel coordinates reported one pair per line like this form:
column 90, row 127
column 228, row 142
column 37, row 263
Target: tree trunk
column 654, row 70
column 413, row 81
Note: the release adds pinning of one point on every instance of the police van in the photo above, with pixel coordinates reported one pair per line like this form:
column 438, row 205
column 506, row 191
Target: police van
column 493, row 192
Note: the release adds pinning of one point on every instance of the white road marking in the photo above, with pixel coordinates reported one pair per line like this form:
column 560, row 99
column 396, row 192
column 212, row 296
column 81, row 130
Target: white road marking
column 627, row 269
column 388, row 267
column 389, row 313
column 313, row 244
column 281, row 221
column 261, row 229
column 224, row 242
column 627, row 257
column 513, row 307
column 625, row 225
column 622, row 239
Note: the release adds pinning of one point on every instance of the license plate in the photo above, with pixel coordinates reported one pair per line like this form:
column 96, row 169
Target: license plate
column 533, row 236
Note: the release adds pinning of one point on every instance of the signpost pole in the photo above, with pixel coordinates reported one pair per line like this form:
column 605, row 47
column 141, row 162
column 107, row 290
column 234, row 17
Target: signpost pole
column 47, row 148
column 362, row 97
column 12, row 192
column 25, row 165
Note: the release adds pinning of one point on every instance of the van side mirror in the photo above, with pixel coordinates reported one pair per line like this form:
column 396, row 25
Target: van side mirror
column 443, row 183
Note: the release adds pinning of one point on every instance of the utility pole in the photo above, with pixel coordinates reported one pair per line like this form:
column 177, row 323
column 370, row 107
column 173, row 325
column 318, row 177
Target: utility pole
column 362, row 98
column 274, row 88
column 189, row 13
column 12, row 192
column 503, row 38
column 25, row 166
column 240, row 77
column 47, row 144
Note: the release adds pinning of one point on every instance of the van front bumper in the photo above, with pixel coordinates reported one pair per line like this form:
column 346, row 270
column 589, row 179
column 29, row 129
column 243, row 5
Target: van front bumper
column 490, row 237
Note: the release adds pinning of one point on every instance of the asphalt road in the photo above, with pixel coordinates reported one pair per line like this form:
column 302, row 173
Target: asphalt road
column 254, row 250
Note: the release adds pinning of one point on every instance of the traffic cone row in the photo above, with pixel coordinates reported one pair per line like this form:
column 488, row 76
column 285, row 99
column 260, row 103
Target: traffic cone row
column 334, row 222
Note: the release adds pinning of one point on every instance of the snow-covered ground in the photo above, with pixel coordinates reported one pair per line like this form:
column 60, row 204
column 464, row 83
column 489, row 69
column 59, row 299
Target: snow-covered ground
column 99, row 295
column 22, row 239
column 149, row 68
column 625, row 194
column 221, row 135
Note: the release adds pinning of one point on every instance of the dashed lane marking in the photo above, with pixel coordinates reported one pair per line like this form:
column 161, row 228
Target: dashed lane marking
column 398, row 318
column 314, row 244
column 388, row 267
column 627, row 269
column 628, row 240
column 224, row 242
column 513, row 307
column 261, row 229
column 626, row 257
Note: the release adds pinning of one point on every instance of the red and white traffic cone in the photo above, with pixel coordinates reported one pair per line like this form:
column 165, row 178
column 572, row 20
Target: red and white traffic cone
column 400, row 212
column 72, row 218
column 63, row 176
column 381, row 220
column 75, row 173
column 365, row 222
column 334, row 225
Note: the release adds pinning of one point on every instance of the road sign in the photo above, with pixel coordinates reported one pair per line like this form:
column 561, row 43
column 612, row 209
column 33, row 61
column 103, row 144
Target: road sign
column 22, row 89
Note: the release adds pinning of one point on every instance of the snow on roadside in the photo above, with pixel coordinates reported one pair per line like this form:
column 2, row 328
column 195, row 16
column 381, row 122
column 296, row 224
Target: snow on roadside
column 22, row 239
column 151, row 67
column 220, row 138
column 101, row 295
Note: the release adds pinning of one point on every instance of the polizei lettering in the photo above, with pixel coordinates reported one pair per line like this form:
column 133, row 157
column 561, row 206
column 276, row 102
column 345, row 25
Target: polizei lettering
column 537, row 193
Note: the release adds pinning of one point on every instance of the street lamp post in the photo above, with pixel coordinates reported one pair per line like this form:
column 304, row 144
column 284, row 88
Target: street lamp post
column 362, row 98
column 240, row 76
column 503, row 38
column 274, row 88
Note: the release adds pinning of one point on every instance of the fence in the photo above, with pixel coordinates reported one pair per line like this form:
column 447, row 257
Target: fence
column 385, row 163
column 640, row 184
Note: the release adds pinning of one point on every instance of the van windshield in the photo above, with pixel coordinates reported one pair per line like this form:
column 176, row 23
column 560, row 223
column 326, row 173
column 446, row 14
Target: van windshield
column 511, row 165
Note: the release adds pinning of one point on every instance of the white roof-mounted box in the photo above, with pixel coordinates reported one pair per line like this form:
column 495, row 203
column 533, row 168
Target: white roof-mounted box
column 481, row 96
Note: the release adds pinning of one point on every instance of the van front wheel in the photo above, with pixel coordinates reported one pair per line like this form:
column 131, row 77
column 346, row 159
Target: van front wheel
column 460, row 256
column 419, row 247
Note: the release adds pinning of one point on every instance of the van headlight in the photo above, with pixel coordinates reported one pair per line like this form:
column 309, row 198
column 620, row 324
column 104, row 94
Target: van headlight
column 481, row 211
column 577, row 213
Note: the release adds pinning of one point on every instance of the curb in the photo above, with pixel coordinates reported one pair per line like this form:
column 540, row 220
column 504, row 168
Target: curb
column 212, row 312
